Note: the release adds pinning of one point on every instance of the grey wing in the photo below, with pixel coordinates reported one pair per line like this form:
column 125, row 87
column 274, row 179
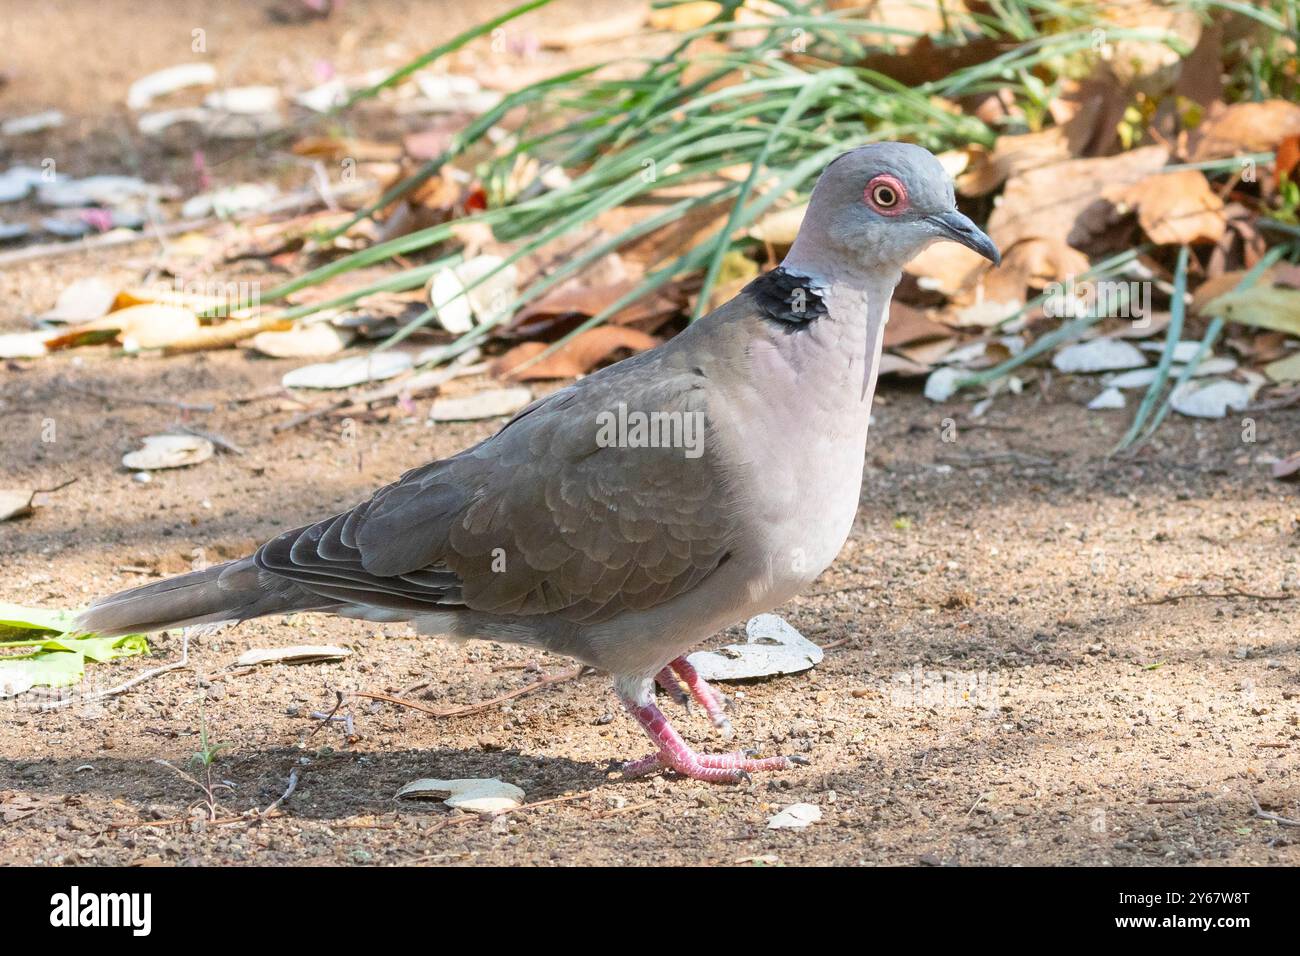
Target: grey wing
column 545, row 517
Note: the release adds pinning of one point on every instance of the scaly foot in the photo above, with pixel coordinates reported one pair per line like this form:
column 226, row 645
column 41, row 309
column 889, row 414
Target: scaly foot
column 675, row 754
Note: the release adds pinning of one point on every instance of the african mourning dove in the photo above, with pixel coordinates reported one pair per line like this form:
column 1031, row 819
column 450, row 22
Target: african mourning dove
column 631, row 515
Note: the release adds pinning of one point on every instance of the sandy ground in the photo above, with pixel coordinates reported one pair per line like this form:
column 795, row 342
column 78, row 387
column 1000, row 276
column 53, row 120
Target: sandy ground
column 998, row 688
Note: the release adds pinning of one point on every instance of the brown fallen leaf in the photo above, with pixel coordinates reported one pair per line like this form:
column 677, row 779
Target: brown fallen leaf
column 1079, row 113
column 226, row 335
column 684, row 16
column 928, row 353
column 925, row 17
column 1244, row 128
column 1151, row 66
column 891, row 364
column 346, row 147
column 1177, row 208
column 947, row 268
column 1287, row 161
column 1000, row 292
column 1200, row 78
column 611, row 26
column 647, row 314
column 576, row 357
column 909, row 324
column 135, row 327
column 197, row 302
column 1061, row 200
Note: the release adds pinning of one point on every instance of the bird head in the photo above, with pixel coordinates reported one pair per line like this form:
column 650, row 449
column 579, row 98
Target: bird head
column 881, row 205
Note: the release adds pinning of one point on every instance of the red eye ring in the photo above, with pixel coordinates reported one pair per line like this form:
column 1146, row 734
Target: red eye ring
column 886, row 195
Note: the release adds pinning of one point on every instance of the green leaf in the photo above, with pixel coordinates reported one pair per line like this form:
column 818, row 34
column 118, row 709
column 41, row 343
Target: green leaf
column 54, row 656
column 17, row 617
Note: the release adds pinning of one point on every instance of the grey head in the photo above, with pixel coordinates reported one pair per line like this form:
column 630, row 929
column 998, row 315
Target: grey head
column 880, row 205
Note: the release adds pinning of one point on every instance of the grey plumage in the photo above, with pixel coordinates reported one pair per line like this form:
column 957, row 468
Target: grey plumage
column 624, row 553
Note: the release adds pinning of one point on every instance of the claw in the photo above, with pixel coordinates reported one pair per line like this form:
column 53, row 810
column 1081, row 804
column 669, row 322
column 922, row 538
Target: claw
column 673, row 687
column 675, row 754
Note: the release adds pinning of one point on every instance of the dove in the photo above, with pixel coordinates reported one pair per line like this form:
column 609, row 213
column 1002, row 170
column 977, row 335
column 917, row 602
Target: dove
column 629, row 516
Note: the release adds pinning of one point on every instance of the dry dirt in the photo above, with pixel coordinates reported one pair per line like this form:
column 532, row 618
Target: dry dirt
column 1080, row 723
column 1095, row 727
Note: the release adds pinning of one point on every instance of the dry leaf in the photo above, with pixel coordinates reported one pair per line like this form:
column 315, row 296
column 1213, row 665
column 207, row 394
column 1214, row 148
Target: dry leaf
column 15, row 504
column 929, row 353
column 1177, row 208
column 684, row 16
column 168, row 451
column 1266, row 307
column 82, row 301
column 1151, row 66
column 1099, row 355
column 1052, row 201
column 305, row 341
column 780, row 227
column 772, row 647
column 25, row 344
column 297, row 654
column 1081, row 110
column 795, row 817
column 479, row 795
column 1284, row 370
column 1210, row 399
column 163, row 294
column 135, row 327
column 891, row 364
column 337, row 148
column 493, row 403
column 925, row 17
column 347, row 372
column 947, row 268
column 580, row 299
column 575, row 357
column 1244, row 128
column 909, row 324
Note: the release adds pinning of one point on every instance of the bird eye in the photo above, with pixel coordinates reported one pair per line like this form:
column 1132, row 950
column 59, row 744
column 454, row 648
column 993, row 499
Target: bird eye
column 884, row 195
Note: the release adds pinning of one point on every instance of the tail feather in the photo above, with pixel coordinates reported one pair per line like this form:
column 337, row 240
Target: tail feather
column 235, row 591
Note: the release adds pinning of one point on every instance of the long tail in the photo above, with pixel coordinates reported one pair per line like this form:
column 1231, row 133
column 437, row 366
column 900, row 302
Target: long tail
column 235, row 591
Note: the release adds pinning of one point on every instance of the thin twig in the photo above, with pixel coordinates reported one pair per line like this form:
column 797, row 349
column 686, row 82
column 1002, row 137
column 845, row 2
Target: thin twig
column 223, row 443
column 568, row 797
column 127, row 685
column 139, row 399
column 1222, row 595
column 992, row 458
column 1276, row 818
column 338, row 702
column 473, row 708
column 288, row 792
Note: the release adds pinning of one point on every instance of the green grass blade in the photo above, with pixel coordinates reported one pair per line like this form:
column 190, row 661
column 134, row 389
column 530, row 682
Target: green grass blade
column 1177, row 309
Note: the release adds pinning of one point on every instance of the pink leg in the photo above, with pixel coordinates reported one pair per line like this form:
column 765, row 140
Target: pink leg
column 714, row 704
column 673, row 687
column 675, row 754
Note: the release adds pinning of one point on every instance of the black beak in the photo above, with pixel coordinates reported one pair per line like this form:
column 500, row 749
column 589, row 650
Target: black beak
column 953, row 225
